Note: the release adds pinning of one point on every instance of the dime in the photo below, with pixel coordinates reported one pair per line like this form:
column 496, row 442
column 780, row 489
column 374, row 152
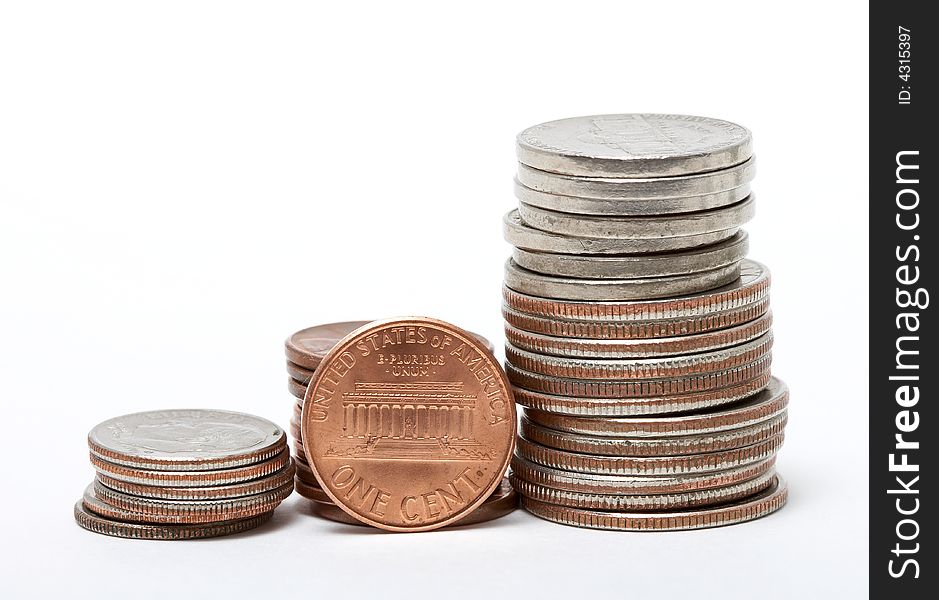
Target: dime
column 752, row 287
column 745, row 509
column 568, row 288
column 409, row 424
column 519, row 234
column 649, row 446
column 186, row 439
column 592, row 483
column 661, row 226
column 627, row 407
column 641, row 368
column 307, row 347
column 257, row 486
column 657, row 502
column 87, row 519
column 684, row 262
column 191, row 478
column 634, row 145
column 648, row 465
column 636, row 348
column 190, row 511
column 622, row 389
column 767, row 404
column 644, row 331
column 631, row 207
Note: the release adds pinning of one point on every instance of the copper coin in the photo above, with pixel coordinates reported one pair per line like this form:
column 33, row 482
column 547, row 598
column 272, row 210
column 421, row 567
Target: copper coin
column 641, row 331
column 656, row 502
column 751, row 287
column 625, row 485
column 186, row 439
column 296, row 389
column 641, row 368
column 409, row 424
column 637, row 388
column 305, row 474
column 648, row 465
column 295, row 428
column 637, row 348
column 247, row 488
column 91, row 521
column 192, row 511
column 315, row 492
column 745, row 509
column 306, row 348
column 647, row 446
column 766, row 404
column 192, row 478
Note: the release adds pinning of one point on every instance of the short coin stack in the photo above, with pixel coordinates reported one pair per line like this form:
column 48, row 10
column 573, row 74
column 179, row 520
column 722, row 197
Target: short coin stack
column 638, row 334
column 305, row 350
column 184, row 474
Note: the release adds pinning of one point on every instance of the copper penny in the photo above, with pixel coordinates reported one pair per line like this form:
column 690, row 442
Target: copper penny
column 637, row 348
column 409, row 424
column 739, row 511
column 641, row 368
column 766, row 404
column 314, row 492
column 247, row 488
column 91, row 521
column 295, row 427
column 192, row 478
column 296, row 389
column 751, row 287
column 649, row 405
column 624, row 485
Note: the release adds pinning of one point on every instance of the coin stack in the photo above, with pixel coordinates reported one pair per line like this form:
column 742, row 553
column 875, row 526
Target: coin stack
column 305, row 350
column 184, row 474
column 638, row 334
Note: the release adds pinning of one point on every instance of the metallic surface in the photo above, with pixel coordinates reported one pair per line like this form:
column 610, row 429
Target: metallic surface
column 107, row 526
column 191, row 478
column 213, row 492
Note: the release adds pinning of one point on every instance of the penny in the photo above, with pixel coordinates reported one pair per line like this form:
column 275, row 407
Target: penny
column 628, row 407
column 314, row 492
column 622, row 389
column 186, row 439
column 656, row 502
column 752, row 287
column 625, row 190
column 295, row 428
column 684, row 262
column 645, row 331
column 191, row 478
column 423, row 396
column 739, row 511
column 521, row 235
column 631, row 207
column 634, row 145
column 306, row 475
column 299, row 450
column 569, row 288
column 593, row 483
column 767, row 404
column 295, row 419
column 645, row 227
column 299, row 374
column 648, row 465
column 91, row 521
column 649, row 446
column 637, row 348
column 191, row 511
column 296, row 389
column 257, row 486
column 641, row 368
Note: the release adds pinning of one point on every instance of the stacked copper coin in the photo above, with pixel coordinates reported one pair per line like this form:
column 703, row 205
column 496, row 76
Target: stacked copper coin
column 184, row 474
column 638, row 334
column 305, row 350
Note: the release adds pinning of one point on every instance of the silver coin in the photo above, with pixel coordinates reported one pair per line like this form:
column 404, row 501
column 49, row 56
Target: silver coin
column 519, row 234
column 634, row 145
column 186, row 439
column 569, row 288
column 643, row 189
column 632, row 266
column 631, row 207
column 664, row 226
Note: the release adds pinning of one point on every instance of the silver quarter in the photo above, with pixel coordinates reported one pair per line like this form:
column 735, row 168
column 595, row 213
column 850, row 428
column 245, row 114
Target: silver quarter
column 568, row 288
column 643, row 189
column 665, row 226
column 634, row 145
column 583, row 266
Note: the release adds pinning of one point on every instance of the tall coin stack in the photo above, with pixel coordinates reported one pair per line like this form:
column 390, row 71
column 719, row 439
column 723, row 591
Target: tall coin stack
column 638, row 333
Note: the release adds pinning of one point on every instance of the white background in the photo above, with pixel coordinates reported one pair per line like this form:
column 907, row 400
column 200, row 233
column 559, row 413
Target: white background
column 183, row 184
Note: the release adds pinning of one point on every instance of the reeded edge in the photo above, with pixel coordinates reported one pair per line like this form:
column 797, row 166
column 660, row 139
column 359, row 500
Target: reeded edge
column 96, row 523
column 212, row 492
column 192, row 478
column 210, row 510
